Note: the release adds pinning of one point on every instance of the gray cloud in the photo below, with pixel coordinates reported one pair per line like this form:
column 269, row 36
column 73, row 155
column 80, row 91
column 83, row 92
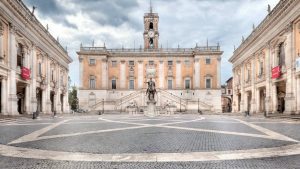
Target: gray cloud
column 181, row 22
column 52, row 9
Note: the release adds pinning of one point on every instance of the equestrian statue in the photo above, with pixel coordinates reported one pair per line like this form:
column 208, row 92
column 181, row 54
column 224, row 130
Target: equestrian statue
column 151, row 90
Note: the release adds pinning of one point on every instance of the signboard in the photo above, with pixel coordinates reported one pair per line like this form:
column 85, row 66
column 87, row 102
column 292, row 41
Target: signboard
column 298, row 65
column 25, row 73
column 276, row 72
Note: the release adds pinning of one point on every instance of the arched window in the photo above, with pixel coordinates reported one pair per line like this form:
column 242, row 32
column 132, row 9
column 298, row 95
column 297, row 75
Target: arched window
column 151, row 25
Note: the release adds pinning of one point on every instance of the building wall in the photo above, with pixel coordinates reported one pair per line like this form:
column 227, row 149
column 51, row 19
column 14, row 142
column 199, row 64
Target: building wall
column 183, row 68
column 185, row 71
column 270, row 95
column 19, row 95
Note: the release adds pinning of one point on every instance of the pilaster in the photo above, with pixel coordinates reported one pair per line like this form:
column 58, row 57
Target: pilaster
column 80, row 72
column 219, row 72
column 12, row 99
column 140, row 74
column 178, row 74
column 161, row 74
column 197, row 74
column 4, row 96
column 289, row 96
column 104, row 74
column 122, row 75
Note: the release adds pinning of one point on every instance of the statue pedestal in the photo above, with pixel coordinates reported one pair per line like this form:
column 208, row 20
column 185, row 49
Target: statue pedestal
column 151, row 110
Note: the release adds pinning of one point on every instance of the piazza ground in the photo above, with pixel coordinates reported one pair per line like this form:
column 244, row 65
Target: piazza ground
column 123, row 141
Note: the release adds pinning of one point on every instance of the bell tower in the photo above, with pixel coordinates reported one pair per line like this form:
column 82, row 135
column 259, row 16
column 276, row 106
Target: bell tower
column 151, row 33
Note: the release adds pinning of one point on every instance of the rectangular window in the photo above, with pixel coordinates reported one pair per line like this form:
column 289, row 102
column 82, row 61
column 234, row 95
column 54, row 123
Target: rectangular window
column 92, row 62
column 131, row 63
column 170, row 84
column 113, row 84
column 187, row 62
column 261, row 68
column 61, row 80
column 20, row 54
column 208, row 83
column 170, row 63
column 207, row 61
column 114, row 63
column 40, row 69
column 187, row 84
column 92, row 82
column 52, row 75
column 151, row 62
column 131, row 84
column 281, row 54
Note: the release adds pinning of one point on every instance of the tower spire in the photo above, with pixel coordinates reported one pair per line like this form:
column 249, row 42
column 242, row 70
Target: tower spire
column 150, row 6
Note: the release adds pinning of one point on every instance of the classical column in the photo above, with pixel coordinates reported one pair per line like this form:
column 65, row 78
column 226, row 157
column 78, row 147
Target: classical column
column 161, row 74
column 1, row 41
column 58, row 103
column 197, row 74
column 140, row 74
column 66, row 99
column 268, row 79
column 122, row 75
column 298, row 94
column 253, row 88
column 274, row 98
column 27, row 99
column 12, row 99
column 243, row 101
column 104, row 74
column 4, row 96
column 289, row 96
column 178, row 75
column 219, row 72
column 80, row 72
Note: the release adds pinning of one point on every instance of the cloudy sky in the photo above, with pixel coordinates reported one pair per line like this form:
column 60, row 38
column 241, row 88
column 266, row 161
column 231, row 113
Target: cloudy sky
column 120, row 22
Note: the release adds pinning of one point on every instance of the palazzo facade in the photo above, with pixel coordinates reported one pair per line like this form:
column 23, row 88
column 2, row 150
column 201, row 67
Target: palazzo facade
column 33, row 65
column 112, row 79
column 266, row 66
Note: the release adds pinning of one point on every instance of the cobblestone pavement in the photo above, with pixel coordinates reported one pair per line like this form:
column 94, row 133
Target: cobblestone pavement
column 123, row 141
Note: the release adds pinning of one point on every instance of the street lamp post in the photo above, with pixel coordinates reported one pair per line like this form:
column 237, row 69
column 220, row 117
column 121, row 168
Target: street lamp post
column 180, row 105
column 198, row 106
column 121, row 107
column 102, row 106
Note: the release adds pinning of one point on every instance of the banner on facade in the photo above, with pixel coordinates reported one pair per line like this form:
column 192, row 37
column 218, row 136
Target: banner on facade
column 25, row 73
column 276, row 72
column 298, row 65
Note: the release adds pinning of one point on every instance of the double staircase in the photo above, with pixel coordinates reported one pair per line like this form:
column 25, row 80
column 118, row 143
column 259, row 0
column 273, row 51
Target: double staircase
column 139, row 97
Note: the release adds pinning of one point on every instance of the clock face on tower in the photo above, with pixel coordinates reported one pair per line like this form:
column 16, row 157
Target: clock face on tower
column 151, row 34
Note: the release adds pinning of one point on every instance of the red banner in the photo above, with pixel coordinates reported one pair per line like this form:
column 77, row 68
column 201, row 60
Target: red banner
column 276, row 72
column 25, row 73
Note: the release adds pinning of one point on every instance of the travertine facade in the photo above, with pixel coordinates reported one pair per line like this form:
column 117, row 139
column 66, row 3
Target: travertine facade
column 266, row 76
column 118, row 76
column 33, row 65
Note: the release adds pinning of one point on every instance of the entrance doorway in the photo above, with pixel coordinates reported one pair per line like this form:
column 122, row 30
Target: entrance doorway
column 249, row 98
column 39, row 99
column 281, row 87
column 52, row 93
column 62, row 102
column 239, row 102
column 262, row 98
column 21, row 97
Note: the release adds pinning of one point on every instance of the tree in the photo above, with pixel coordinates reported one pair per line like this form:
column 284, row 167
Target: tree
column 73, row 100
